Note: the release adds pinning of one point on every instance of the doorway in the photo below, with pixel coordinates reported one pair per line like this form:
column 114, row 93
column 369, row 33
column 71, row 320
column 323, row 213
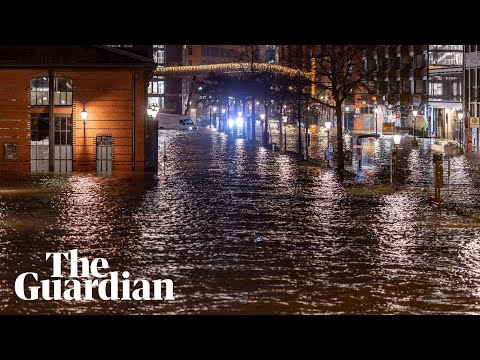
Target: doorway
column 40, row 142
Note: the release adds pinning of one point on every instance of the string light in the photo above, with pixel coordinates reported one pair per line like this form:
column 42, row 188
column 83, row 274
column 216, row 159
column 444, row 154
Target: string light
column 229, row 67
column 188, row 70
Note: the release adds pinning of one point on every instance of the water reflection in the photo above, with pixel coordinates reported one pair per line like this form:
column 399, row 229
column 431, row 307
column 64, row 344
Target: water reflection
column 329, row 247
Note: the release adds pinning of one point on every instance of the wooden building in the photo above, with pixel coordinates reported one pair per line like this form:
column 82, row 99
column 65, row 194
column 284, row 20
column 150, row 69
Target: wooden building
column 43, row 91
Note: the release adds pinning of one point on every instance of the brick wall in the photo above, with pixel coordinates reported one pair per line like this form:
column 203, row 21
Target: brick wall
column 108, row 98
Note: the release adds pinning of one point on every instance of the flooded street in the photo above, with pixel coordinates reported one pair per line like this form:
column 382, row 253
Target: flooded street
column 356, row 247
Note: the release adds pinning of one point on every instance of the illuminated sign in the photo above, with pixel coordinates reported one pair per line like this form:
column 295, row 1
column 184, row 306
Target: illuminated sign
column 475, row 122
column 388, row 128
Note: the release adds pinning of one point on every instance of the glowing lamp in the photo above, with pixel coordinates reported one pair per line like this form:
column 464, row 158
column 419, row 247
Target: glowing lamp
column 84, row 114
column 396, row 139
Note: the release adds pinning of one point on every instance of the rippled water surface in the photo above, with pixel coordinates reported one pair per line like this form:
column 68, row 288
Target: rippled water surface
column 329, row 247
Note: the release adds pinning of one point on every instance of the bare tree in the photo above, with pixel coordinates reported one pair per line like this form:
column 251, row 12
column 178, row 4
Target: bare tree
column 341, row 72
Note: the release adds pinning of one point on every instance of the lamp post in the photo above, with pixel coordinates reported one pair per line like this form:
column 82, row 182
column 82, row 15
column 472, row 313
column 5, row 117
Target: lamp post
column 223, row 112
column 84, row 114
column 394, row 167
column 285, row 137
column 328, row 124
column 376, row 122
column 460, row 117
column 347, row 109
column 210, row 117
column 414, row 112
column 214, row 113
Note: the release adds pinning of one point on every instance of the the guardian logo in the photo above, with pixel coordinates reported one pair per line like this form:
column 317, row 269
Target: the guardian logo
column 105, row 286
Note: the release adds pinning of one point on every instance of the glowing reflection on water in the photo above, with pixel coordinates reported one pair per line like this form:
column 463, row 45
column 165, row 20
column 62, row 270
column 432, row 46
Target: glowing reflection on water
column 330, row 247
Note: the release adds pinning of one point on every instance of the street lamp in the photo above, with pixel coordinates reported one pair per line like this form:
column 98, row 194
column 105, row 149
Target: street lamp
column 414, row 112
column 347, row 109
column 394, row 167
column 214, row 112
column 210, row 117
column 285, row 126
column 152, row 110
column 376, row 123
column 84, row 114
column 396, row 139
column 222, row 122
column 460, row 117
column 328, row 124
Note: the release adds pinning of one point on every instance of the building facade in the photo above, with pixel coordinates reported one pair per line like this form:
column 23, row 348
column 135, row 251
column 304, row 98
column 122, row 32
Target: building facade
column 445, row 90
column 45, row 93
column 400, row 84
column 471, row 99
column 165, row 92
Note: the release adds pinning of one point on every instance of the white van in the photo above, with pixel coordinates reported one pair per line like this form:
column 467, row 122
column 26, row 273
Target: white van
column 175, row 122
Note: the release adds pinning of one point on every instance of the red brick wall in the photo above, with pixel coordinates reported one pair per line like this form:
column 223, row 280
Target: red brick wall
column 108, row 98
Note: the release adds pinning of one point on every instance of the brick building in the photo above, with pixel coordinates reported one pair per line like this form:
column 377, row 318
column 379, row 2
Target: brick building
column 43, row 91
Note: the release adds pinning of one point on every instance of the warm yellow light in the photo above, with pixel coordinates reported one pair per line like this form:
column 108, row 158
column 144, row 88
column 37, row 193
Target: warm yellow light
column 84, row 114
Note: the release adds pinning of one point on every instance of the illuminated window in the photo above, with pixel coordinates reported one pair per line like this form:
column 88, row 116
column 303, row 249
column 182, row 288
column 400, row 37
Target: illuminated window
column 39, row 91
column 159, row 54
column 63, row 90
column 156, row 86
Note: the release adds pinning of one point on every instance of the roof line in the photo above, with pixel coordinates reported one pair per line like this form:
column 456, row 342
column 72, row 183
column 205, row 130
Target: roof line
column 125, row 53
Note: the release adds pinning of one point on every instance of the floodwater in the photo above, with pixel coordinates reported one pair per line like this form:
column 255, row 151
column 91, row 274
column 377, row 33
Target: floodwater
column 329, row 247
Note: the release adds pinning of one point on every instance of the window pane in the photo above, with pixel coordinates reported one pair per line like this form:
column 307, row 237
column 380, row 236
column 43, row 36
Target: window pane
column 43, row 98
column 39, row 91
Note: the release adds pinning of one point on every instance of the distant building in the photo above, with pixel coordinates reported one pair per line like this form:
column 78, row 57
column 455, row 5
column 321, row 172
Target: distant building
column 47, row 89
column 165, row 92
column 398, row 86
column 472, row 96
column 294, row 56
column 445, row 85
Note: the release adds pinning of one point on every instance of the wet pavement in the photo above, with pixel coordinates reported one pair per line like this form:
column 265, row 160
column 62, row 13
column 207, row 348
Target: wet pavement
column 329, row 247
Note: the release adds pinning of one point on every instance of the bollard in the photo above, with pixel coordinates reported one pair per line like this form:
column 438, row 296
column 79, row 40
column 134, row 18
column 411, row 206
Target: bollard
column 359, row 153
column 438, row 177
